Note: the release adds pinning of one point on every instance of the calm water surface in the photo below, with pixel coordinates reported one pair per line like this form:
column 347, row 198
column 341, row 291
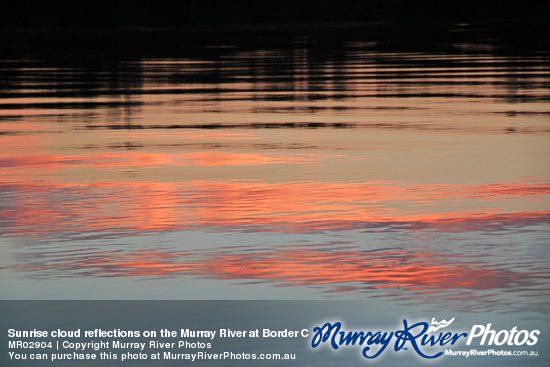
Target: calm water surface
column 289, row 164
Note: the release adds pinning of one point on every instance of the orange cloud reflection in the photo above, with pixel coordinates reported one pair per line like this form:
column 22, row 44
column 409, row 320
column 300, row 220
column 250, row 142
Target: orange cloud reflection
column 144, row 160
column 261, row 206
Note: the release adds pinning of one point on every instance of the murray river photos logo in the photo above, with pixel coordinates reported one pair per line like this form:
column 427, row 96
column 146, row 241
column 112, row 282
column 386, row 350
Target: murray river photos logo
column 428, row 340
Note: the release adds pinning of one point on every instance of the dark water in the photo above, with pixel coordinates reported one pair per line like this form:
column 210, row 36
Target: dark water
column 405, row 164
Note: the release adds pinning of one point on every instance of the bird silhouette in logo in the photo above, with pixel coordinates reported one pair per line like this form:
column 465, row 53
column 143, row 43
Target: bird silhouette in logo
column 439, row 325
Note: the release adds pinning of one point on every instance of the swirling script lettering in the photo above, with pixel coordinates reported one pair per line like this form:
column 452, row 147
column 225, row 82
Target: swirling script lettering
column 375, row 343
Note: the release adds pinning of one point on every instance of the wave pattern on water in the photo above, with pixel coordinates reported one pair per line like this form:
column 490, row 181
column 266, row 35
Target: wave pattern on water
column 413, row 173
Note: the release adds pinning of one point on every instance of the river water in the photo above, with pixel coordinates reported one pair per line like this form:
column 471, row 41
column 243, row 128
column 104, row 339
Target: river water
column 327, row 162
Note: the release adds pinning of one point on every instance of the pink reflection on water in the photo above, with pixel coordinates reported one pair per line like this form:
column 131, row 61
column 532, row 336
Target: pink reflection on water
column 336, row 270
column 260, row 206
column 125, row 160
column 209, row 159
